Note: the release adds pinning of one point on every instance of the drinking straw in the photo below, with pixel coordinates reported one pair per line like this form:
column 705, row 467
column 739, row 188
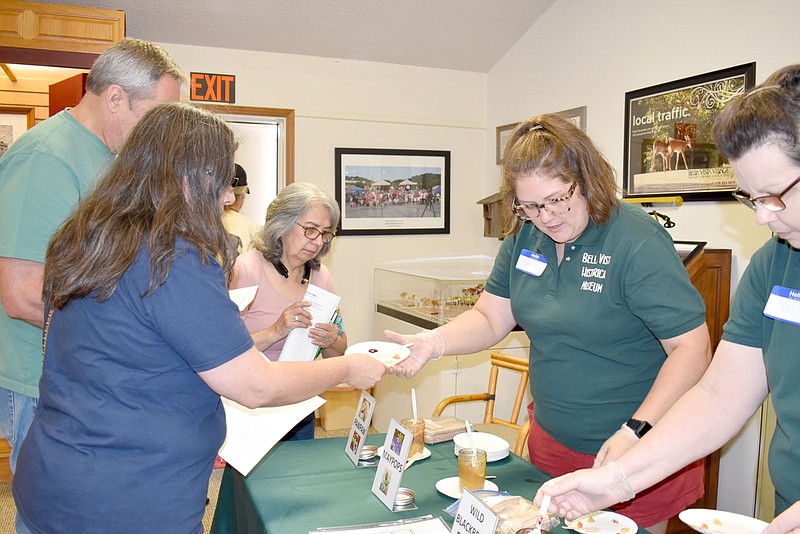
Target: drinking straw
column 414, row 402
column 469, row 435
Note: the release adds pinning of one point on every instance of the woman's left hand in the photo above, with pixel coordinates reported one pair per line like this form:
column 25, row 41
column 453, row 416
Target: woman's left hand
column 615, row 446
column 324, row 334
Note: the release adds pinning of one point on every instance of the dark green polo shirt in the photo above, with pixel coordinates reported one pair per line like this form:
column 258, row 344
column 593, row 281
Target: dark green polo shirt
column 594, row 321
column 775, row 264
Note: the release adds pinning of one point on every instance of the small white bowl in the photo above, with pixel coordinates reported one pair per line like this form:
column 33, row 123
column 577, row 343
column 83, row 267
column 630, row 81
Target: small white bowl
column 496, row 447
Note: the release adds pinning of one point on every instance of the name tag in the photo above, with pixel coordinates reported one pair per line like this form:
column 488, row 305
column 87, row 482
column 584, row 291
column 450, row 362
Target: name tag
column 784, row 305
column 531, row 262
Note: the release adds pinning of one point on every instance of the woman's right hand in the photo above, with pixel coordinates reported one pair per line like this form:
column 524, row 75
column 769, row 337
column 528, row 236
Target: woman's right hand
column 364, row 371
column 294, row 316
column 425, row 346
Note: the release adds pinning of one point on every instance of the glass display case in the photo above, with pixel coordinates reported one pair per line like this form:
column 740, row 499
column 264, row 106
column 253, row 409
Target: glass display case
column 430, row 292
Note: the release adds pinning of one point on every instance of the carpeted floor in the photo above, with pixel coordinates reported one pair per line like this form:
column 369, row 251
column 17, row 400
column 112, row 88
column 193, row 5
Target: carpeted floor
column 8, row 510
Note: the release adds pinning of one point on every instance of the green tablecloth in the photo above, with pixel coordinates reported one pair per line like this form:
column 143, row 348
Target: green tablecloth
column 304, row 485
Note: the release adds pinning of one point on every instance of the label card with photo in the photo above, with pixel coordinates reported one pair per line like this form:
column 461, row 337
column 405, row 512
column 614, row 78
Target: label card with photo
column 392, row 463
column 359, row 429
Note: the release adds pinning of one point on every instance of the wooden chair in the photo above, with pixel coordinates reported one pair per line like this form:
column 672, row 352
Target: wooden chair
column 505, row 428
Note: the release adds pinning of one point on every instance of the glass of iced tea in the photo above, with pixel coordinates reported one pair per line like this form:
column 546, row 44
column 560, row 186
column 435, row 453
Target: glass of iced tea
column 417, row 428
column 471, row 469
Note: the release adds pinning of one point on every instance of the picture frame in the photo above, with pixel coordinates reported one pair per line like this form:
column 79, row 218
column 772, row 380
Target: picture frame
column 14, row 121
column 503, row 134
column 392, row 191
column 576, row 116
column 674, row 119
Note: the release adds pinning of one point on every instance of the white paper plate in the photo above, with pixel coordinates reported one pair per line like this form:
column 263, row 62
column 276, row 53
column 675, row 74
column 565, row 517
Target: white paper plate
column 496, row 447
column 383, row 351
column 426, row 453
column 717, row 522
column 603, row 523
column 449, row 486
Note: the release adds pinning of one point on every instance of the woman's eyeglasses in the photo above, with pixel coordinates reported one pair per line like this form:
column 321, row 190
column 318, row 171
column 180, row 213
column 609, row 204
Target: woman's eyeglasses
column 769, row 202
column 529, row 210
column 312, row 233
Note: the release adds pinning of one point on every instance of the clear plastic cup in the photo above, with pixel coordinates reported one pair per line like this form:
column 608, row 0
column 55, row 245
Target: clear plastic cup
column 471, row 469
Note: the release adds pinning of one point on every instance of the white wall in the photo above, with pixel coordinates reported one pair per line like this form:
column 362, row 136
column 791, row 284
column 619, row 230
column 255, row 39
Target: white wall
column 590, row 54
column 345, row 103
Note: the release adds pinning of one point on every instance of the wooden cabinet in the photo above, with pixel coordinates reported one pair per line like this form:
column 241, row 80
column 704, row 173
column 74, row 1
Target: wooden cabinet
column 57, row 27
column 710, row 272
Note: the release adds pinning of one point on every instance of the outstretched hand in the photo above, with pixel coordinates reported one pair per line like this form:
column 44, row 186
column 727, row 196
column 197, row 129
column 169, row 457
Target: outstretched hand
column 424, row 346
column 586, row 490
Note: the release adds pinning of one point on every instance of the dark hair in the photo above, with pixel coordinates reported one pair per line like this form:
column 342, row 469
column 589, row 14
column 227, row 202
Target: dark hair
column 770, row 113
column 165, row 184
column 284, row 213
column 552, row 145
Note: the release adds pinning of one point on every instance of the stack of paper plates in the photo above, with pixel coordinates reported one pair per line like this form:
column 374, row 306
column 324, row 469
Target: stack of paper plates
column 496, row 447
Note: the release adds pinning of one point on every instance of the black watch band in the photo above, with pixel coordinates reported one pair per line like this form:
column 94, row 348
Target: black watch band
column 640, row 428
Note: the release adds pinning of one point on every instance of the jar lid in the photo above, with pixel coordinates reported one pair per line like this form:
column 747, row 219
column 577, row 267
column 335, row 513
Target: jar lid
column 404, row 497
column 367, row 452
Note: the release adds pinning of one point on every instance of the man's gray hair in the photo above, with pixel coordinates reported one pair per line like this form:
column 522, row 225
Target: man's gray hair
column 136, row 66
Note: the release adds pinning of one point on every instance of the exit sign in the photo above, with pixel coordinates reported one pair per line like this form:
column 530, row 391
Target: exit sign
column 207, row 87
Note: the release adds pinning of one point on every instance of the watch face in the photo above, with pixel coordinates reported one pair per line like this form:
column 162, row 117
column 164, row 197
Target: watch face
column 640, row 428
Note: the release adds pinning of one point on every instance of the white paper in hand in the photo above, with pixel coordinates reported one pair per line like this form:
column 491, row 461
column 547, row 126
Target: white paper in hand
column 298, row 346
column 243, row 296
column 252, row 433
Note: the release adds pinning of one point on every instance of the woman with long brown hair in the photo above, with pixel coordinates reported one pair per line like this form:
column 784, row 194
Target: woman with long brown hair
column 142, row 340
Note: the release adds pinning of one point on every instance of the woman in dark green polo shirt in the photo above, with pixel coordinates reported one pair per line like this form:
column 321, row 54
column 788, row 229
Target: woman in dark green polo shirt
column 617, row 330
column 760, row 134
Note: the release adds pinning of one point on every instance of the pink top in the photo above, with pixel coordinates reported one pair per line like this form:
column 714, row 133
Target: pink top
column 268, row 304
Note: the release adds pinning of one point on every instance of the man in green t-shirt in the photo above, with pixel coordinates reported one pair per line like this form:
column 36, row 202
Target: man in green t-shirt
column 43, row 176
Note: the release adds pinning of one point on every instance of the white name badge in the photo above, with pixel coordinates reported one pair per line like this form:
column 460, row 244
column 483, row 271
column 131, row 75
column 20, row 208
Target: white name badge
column 473, row 517
column 784, row 305
column 531, row 262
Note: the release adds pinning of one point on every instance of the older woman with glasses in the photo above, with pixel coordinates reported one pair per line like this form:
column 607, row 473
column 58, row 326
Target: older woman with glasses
column 285, row 258
column 617, row 330
column 760, row 134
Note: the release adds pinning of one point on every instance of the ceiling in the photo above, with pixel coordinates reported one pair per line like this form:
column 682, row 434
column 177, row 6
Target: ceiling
column 469, row 35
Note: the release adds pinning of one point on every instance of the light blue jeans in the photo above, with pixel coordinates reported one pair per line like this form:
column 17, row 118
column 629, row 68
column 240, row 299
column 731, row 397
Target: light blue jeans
column 16, row 415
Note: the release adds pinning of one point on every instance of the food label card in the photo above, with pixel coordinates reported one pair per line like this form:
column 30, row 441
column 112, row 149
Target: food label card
column 473, row 517
column 392, row 463
column 358, row 432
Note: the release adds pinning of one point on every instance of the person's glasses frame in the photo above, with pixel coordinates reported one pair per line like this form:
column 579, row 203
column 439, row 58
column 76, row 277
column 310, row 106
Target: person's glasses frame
column 312, row 233
column 772, row 203
column 555, row 206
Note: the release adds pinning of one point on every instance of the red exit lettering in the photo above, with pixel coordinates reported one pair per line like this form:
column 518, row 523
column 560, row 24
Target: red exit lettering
column 207, row 87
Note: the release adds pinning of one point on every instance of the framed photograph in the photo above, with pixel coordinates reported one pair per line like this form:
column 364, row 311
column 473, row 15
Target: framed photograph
column 14, row 121
column 384, row 191
column 576, row 116
column 503, row 133
column 669, row 150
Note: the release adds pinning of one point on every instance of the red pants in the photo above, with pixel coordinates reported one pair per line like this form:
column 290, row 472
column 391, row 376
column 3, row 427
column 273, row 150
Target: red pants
column 653, row 505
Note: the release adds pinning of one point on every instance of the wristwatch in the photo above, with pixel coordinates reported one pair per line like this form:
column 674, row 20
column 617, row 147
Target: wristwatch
column 640, row 428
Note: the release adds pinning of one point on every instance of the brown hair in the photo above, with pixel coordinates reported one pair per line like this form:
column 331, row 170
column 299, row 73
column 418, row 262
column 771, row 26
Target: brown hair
column 770, row 113
column 164, row 185
column 552, row 145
